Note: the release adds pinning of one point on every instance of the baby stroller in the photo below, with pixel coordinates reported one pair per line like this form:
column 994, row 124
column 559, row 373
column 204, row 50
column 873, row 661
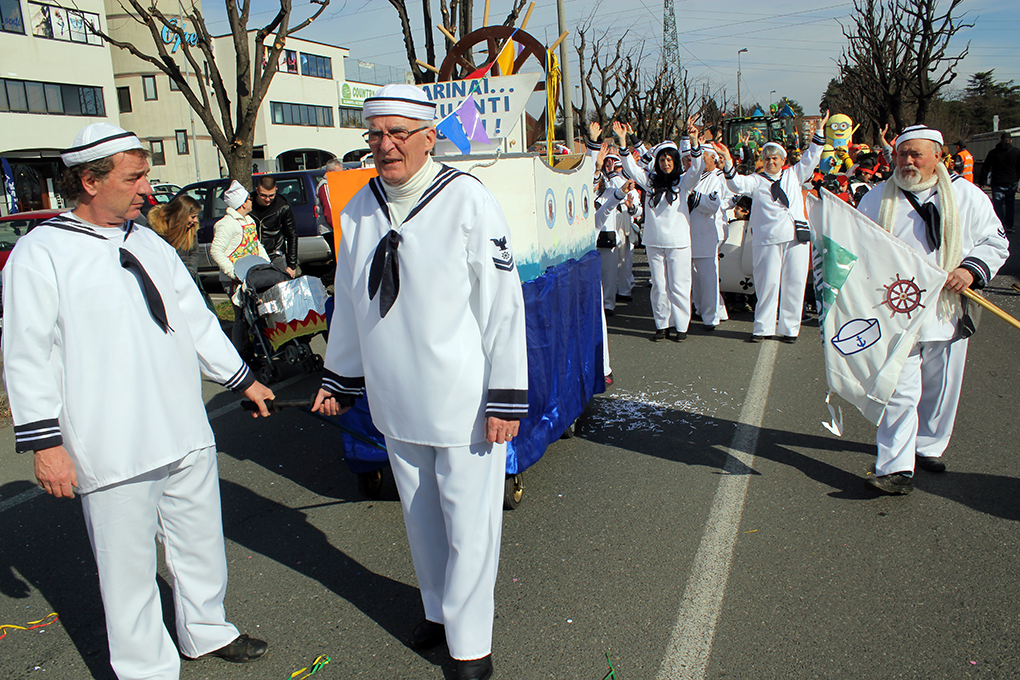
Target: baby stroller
column 283, row 315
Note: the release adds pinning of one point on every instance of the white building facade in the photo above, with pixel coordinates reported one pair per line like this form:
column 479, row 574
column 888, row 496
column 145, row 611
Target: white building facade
column 56, row 77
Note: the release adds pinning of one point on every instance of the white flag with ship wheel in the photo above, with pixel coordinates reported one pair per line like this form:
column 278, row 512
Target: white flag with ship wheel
column 875, row 295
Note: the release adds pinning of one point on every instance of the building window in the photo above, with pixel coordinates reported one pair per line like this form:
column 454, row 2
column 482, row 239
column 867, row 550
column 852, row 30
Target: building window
column 174, row 87
column 301, row 114
column 36, row 97
column 16, row 97
column 351, row 118
column 61, row 23
column 149, row 88
column 124, row 99
column 316, row 66
column 156, row 152
column 10, row 16
column 182, row 142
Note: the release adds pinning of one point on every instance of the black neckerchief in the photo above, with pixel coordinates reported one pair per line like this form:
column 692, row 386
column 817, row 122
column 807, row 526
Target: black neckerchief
column 153, row 300
column 778, row 195
column 929, row 212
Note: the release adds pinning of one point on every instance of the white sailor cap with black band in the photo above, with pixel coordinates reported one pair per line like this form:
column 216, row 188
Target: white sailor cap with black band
column 919, row 132
column 773, row 145
column 400, row 99
column 99, row 140
column 235, row 195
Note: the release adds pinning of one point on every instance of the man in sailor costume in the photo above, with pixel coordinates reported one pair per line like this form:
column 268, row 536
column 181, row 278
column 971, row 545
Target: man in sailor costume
column 952, row 223
column 780, row 249
column 429, row 321
column 105, row 336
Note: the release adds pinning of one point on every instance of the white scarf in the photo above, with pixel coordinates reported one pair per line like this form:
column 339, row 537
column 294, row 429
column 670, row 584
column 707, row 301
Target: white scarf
column 950, row 253
column 401, row 198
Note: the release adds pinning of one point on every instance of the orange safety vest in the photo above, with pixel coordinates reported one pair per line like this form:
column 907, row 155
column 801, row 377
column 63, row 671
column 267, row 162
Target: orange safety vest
column 968, row 164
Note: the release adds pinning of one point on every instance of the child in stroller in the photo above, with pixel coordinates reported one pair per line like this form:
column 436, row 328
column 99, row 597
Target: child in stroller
column 282, row 315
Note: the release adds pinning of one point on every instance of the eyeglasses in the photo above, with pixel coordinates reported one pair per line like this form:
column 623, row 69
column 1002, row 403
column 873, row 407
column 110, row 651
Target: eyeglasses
column 399, row 136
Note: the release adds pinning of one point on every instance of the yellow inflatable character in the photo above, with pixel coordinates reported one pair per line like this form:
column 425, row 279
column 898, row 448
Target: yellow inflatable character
column 839, row 130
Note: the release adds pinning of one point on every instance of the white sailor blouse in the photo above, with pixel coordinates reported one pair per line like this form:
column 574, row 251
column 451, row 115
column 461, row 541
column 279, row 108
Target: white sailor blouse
column 776, row 203
column 105, row 339
column 429, row 314
column 708, row 221
column 982, row 239
column 667, row 221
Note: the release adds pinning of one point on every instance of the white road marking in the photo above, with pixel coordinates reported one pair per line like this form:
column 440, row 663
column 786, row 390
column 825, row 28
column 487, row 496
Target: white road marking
column 690, row 645
column 233, row 407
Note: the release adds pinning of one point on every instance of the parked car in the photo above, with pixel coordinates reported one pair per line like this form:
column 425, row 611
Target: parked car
column 298, row 188
column 13, row 227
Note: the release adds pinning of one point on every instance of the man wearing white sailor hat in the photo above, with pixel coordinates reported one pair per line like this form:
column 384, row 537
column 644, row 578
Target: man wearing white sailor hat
column 429, row 323
column 104, row 345
column 952, row 223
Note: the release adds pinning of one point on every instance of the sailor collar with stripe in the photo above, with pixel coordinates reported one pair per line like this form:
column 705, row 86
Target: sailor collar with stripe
column 445, row 176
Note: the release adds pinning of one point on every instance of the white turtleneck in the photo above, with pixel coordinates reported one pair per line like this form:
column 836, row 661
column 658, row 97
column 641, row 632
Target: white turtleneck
column 401, row 198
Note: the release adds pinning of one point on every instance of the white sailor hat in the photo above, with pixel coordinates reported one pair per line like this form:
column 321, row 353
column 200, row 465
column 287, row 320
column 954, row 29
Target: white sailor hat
column 773, row 145
column 400, row 100
column 99, row 140
column 919, row 132
column 235, row 195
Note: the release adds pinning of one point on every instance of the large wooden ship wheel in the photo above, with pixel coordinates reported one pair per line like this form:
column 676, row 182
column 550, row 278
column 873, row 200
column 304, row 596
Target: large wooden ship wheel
column 491, row 40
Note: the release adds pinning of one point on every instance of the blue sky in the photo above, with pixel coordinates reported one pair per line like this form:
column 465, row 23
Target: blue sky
column 792, row 47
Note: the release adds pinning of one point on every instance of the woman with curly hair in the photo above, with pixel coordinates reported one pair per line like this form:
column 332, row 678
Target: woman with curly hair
column 177, row 223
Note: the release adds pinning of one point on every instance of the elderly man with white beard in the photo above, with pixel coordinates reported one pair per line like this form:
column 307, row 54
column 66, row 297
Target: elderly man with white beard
column 951, row 222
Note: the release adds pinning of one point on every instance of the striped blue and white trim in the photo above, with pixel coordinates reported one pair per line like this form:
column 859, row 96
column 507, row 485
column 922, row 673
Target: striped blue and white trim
column 42, row 434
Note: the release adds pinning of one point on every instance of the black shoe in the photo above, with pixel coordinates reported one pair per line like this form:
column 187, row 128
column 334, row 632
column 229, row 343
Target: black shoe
column 788, row 339
column 710, row 328
column 660, row 334
column 896, row 484
column 755, row 338
column 426, row 635
column 695, row 317
column 930, row 464
column 679, row 336
column 241, row 650
column 624, row 298
column 475, row 669
column 608, row 312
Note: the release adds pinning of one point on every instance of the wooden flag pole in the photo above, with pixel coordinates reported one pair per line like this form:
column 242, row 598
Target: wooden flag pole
column 428, row 66
column 527, row 15
column 984, row 302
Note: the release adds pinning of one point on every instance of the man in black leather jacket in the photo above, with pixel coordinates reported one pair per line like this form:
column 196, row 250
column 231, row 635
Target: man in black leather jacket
column 276, row 225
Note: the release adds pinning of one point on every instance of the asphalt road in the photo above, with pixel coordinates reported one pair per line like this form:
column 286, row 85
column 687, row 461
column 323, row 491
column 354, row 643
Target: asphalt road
column 701, row 525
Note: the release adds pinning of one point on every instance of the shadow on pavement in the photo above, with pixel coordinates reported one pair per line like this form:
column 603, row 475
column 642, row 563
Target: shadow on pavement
column 46, row 547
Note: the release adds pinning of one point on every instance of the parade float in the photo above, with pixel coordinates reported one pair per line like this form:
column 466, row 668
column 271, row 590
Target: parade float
column 548, row 203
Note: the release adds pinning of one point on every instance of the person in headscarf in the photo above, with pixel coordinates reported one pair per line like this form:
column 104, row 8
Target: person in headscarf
column 952, row 223
column 667, row 231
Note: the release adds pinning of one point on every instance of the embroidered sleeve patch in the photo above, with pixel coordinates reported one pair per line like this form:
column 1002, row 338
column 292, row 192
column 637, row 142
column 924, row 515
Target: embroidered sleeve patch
column 504, row 260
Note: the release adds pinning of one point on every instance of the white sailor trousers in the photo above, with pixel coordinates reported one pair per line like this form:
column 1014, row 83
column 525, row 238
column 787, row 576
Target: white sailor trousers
column 453, row 510
column 670, row 270
column 705, row 289
column 610, row 267
column 780, row 278
column 922, row 409
column 625, row 262
column 180, row 505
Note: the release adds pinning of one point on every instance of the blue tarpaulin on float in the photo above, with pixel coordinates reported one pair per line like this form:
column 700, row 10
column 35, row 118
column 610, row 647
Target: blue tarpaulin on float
column 564, row 321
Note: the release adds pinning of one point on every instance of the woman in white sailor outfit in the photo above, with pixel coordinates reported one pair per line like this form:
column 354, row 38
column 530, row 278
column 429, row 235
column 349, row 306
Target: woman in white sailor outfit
column 106, row 337
column 951, row 222
column 780, row 255
column 708, row 229
column 667, row 231
column 429, row 321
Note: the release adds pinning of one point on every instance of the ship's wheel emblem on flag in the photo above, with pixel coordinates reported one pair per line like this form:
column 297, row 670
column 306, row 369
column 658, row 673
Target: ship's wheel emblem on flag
column 903, row 296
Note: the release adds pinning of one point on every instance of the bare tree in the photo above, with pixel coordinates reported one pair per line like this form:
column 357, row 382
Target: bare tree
column 601, row 74
column 896, row 61
column 233, row 132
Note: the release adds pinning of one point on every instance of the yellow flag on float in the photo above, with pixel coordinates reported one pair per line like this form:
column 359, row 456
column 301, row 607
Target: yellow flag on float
column 506, row 58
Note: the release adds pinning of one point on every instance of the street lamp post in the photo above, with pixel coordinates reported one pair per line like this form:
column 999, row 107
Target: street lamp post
column 740, row 105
